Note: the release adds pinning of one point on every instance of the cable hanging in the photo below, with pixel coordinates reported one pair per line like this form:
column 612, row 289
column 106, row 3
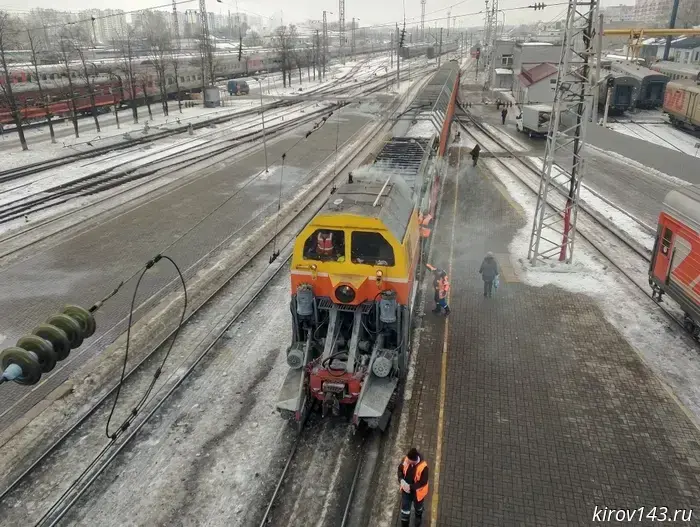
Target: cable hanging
column 135, row 410
column 275, row 252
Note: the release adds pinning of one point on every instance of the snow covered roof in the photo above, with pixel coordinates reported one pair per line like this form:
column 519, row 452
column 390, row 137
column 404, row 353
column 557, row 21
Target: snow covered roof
column 536, row 74
column 536, row 44
column 686, row 43
column 504, row 71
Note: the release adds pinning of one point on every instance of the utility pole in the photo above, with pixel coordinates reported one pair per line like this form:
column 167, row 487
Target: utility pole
column 398, row 59
column 352, row 42
column 598, row 56
column 440, row 50
column 422, row 20
column 552, row 236
column 316, row 56
column 325, row 43
column 671, row 25
column 448, row 24
column 341, row 28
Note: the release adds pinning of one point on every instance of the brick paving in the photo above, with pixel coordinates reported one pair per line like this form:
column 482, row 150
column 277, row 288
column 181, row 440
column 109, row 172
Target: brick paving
column 86, row 266
column 548, row 411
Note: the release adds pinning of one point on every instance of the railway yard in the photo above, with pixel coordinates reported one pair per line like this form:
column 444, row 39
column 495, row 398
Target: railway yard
column 570, row 391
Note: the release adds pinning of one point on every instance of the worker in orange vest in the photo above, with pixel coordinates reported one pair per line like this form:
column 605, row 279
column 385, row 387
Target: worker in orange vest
column 441, row 285
column 413, row 480
column 324, row 244
column 426, row 224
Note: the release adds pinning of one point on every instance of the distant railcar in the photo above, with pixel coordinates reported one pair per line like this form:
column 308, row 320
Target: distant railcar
column 675, row 262
column 652, row 83
column 682, row 104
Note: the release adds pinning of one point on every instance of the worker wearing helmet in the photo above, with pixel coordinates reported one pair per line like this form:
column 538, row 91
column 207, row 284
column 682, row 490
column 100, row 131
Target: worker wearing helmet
column 413, row 480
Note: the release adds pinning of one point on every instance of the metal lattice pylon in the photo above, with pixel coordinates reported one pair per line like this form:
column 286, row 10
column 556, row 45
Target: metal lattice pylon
column 341, row 28
column 206, row 46
column 493, row 35
column 487, row 27
column 554, row 225
column 422, row 20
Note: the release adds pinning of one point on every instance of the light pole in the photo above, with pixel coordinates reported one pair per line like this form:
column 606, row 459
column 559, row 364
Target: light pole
column 262, row 116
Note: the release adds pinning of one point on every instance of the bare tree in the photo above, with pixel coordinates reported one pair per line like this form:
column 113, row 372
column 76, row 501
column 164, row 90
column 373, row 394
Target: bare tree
column 8, row 40
column 35, row 40
column 253, row 39
column 81, row 40
column 283, row 44
column 174, row 62
column 65, row 48
column 124, row 44
column 308, row 59
column 159, row 43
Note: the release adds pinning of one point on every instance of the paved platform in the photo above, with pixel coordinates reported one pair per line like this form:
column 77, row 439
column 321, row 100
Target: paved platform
column 89, row 263
column 547, row 412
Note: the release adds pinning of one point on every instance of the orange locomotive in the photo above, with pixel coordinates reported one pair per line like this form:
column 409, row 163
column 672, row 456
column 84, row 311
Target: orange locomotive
column 354, row 281
column 675, row 261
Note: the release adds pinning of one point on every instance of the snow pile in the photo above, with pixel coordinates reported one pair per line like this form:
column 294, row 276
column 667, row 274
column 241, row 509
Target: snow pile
column 660, row 344
column 424, row 127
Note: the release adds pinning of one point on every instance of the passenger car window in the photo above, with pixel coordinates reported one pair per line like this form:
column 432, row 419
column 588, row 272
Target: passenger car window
column 371, row 248
column 666, row 242
column 325, row 245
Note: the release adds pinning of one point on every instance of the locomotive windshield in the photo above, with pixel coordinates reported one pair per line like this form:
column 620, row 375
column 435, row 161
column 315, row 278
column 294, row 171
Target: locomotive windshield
column 371, row 248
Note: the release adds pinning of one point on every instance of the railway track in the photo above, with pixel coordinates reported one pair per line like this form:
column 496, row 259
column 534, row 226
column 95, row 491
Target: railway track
column 42, row 166
column 345, row 462
column 96, row 455
column 591, row 225
column 108, row 178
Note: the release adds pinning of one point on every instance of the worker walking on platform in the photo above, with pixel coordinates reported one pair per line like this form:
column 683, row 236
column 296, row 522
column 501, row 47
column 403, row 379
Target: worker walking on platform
column 413, row 480
column 504, row 113
column 475, row 153
column 489, row 271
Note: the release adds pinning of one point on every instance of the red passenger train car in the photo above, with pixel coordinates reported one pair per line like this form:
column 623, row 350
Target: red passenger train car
column 675, row 262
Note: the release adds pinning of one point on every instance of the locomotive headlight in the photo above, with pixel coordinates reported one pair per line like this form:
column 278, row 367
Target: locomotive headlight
column 345, row 294
column 380, row 275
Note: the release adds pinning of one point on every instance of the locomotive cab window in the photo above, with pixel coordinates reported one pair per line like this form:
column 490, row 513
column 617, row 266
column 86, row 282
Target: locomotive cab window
column 666, row 242
column 371, row 248
column 325, row 245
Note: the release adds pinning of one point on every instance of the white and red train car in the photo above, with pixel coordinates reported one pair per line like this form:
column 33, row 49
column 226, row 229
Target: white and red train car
column 675, row 261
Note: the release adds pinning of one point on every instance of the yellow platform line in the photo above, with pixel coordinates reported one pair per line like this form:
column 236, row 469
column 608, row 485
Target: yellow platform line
column 443, row 369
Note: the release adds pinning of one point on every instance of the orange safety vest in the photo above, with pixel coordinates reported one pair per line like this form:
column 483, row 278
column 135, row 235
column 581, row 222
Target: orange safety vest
column 425, row 229
column 443, row 287
column 324, row 246
column 421, row 492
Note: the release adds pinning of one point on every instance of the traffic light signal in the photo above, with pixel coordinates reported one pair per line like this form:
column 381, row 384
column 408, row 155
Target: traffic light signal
column 240, row 47
column 538, row 6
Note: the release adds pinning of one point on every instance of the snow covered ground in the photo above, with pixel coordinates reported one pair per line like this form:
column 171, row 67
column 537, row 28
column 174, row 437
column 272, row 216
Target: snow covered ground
column 661, row 134
column 663, row 346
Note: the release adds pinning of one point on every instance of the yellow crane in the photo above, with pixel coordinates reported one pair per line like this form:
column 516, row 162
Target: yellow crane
column 636, row 36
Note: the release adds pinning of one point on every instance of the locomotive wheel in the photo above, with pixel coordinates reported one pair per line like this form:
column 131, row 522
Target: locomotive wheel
column 43, row 350
column 84, row 318
column 71, row 328
column 57, row 337
column 31, row 370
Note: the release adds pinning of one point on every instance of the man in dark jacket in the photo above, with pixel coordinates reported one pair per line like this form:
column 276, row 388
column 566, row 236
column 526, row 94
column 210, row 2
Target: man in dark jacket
column 475, row 154
column 504, row 113
column 489, row 271
column 413, row 480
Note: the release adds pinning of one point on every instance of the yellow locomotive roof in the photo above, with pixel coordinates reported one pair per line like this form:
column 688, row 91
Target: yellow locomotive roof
column 387, row 201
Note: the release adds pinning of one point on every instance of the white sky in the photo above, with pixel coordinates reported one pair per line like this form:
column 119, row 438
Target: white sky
column 368, row 11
